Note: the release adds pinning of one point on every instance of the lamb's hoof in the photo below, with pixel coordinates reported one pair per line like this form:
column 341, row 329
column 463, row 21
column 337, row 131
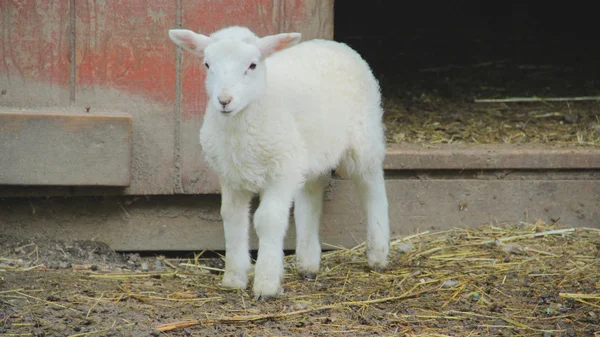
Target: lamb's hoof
column 233, row 281
column 378, row 259
column 265, row 298
column 378, row 267
column 267, row 291
column 305, row 275
column 268, row 297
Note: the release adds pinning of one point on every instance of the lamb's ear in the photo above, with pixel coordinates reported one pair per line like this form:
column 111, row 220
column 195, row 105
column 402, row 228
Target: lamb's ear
column 274, row 43
column 190, row 41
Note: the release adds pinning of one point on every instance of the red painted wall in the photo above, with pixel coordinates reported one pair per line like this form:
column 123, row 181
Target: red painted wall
column 115, row 55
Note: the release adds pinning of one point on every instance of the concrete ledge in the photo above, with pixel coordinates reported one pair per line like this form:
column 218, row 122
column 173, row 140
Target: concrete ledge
column 497, row 156
column 63, row 149
column 194, row 223
column 545, row 162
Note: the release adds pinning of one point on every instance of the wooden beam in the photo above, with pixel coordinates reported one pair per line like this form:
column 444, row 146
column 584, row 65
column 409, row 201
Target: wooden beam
column 495, row 156
column 60, row 149
column 193, row 222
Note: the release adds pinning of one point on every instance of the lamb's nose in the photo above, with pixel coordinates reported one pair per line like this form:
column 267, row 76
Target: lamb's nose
column 225, row 99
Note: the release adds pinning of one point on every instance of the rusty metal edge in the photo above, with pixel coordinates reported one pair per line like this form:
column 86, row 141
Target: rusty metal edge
column 52, row 114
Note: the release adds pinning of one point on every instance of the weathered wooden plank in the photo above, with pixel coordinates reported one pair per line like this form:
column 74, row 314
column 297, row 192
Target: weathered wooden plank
column 497, row 156
column 555, row 164
column 64, row 149
column 193, row 222
column 126, row 63
column 263, row 18
column 34, row 53
column 312, row 18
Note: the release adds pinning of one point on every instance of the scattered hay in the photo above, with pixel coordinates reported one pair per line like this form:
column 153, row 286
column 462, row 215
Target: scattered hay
column 525, row 280
column 428, row 119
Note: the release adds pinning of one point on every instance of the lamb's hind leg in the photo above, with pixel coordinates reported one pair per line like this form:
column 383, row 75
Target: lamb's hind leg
column 371, row 190
column 364, row 166
column 308, row 206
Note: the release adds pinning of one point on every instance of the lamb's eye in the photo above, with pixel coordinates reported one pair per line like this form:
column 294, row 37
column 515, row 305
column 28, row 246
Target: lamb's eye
column 206, row 65
column 252, row 66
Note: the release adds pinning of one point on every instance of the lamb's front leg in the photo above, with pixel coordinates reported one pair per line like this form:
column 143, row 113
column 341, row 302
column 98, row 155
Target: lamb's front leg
column 271, row 222
column 235, row 211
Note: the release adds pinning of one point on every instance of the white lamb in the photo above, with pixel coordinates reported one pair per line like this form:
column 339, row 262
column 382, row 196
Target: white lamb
column 278, row 120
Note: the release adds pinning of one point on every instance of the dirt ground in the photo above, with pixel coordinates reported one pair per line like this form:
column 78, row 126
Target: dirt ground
column 531, row 282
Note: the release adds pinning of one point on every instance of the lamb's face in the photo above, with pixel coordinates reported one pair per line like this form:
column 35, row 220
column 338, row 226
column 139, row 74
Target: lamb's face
column 233, row 56
column 235, row 75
